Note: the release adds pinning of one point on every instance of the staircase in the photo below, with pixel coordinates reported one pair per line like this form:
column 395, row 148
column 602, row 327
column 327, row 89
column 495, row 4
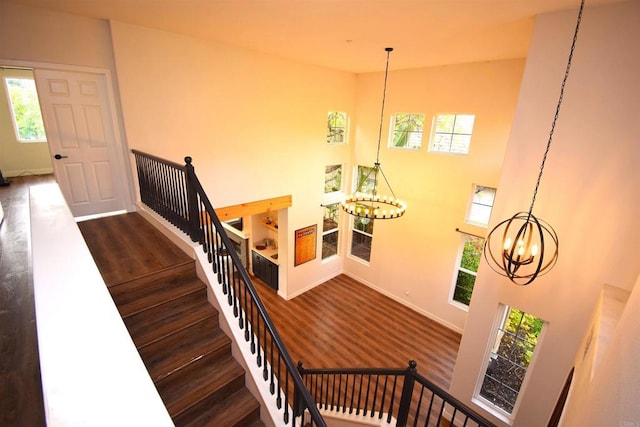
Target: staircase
column 188, row 356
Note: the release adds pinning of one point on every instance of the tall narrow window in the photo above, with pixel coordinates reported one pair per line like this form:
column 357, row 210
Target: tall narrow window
column 362, row 228
column 361, row 237
column 332, row 178
column 480, row 206
column 336, row 127
column 330, row 230
column 452, row 133
column 407, row 131
column 509, row 359
column 25, row 109
column 465, row 278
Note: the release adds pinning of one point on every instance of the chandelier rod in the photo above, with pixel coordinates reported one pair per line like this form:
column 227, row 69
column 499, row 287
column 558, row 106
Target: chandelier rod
column 560, row 98
column 384, row 97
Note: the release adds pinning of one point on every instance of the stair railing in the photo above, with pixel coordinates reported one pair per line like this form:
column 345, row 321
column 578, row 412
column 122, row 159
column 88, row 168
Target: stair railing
column 400, row 397
column 175, row 193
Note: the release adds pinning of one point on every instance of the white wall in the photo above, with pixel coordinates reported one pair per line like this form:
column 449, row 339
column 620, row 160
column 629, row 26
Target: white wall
column 588, row 194
column 30, row 34
column 255, row 125
column 417, row 253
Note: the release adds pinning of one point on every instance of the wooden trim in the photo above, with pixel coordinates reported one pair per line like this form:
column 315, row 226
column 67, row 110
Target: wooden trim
column 253, row 208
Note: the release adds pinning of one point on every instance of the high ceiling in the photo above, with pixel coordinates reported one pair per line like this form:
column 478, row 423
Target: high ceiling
column 347, row 35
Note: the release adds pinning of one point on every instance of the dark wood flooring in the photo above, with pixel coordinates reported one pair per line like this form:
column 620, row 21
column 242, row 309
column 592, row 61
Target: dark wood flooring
column 21, row 402
column 126, row 247
column 341, row 323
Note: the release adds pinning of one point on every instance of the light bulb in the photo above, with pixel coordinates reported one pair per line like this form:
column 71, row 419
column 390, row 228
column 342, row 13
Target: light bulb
column 534, row 250
column 507, row 244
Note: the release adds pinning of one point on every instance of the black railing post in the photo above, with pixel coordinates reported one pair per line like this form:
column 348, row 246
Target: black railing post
column 298, row 404
column 407, row 392
column 192, row 202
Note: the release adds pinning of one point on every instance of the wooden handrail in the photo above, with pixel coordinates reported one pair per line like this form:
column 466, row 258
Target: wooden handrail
column 174, row 192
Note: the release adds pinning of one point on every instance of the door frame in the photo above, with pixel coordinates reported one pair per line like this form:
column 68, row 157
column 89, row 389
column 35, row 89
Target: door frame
column 121, row 149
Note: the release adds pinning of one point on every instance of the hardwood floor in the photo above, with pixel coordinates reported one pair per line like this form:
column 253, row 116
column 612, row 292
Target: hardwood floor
column 21, row 402
column 126, row 247
column 343, row 323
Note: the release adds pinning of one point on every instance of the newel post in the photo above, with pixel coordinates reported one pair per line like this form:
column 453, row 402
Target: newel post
column 192, row 200
column 407, row 392
column 298, row 405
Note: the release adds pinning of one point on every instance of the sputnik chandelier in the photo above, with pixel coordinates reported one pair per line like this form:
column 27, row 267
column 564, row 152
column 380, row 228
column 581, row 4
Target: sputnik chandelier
column 529, row 245
column 369, row 203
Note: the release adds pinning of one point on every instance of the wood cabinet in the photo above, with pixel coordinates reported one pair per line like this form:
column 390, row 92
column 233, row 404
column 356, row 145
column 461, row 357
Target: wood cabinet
column 264, row 269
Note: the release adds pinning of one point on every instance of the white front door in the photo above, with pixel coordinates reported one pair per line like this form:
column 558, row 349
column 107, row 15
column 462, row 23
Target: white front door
column 81, row 135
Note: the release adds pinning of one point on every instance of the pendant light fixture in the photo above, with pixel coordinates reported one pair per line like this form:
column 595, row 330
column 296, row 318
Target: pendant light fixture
column 369, row 203
column 529, row 246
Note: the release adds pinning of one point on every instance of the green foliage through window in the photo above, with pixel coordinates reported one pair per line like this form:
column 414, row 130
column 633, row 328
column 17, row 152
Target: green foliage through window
column 469, row 261
column 336, row 127
column 407, row 130
column 330, row 230
column 26, row 109
column 509, row 360
column 452, row 133
column 332, row 178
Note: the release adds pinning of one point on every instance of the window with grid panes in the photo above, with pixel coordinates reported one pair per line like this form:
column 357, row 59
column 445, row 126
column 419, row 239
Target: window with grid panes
column 452, row 133
column 407, row 131
column 330, row 230
column 509, row 359
column 332, row 178
column 362, row 228
column 481, row 205
column 471, row 252
column 336, row 127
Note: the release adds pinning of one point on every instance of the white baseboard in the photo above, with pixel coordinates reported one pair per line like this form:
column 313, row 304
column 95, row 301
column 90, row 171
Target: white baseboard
column 27, row 172
column 406, row 304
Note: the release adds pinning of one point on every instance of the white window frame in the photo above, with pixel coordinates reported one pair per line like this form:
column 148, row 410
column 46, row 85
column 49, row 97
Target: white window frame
column 345, row 136
column 335, row 230
column 339, row 190
column 435, row 133
column 472, row 203
column 355, row 184
column 14, row 122
column 492, row 347
column 458, row 268
column 392, row 133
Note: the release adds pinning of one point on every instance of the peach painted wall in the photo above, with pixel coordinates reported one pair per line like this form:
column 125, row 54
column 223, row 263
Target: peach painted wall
column 413, row 258
column 254, row 124
column 588, row 194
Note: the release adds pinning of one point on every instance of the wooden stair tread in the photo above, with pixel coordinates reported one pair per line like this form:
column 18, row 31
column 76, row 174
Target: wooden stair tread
column 238, row 409
column 210, row 383
column 156, row 323
column 134, row 298
column 202, row 342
